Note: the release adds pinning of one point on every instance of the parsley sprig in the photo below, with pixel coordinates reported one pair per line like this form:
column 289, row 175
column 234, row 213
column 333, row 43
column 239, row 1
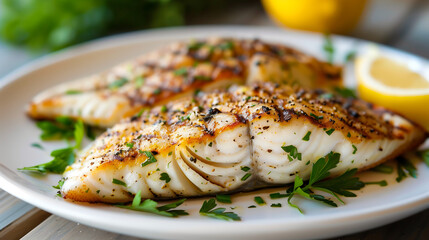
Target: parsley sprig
column 318, row 181
column 61, row 128
column 207, row 209
column 62, row 157
column 405, row 168
column 151, row 206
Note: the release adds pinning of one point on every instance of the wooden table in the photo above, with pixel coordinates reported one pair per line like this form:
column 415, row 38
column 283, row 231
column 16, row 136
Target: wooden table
column 402, row 24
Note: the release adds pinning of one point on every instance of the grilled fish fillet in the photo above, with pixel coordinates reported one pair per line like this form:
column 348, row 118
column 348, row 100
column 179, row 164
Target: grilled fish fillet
column 231, row 140
column 176, row 71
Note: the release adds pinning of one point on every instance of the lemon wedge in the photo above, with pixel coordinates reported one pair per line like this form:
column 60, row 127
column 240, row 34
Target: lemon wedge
column 326, row 16
column 388, row 81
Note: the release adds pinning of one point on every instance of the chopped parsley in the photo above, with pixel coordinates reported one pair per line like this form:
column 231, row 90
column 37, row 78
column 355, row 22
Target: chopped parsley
column 350, row 56
column 118, row 83
column 345, row 92
column 276, row 205
column 150, row 158
column 72, row 92
column 307, row 136
column 223, row 198
column 320, row 181
column 328, row 48
column 405, row 168
column 119, row 182
column 293, row 152
column 226, row 45
column 61, row 128
column 382, row 169
column 164, row 109
column 195, row 46
column 382, row 183
column 349, row 135
column 246, row 176
column 157, row 91
column 139, row 81
column 259, row 200
column 130, row 145
column 184, row 118
column 208, row 209
column 37, row 145
column 151, row 206
column 165, row 177
column 425, row 155
column 202, row 78
column 315, row 116
column 210, row 144
column 278, row 195
column 60, row 184
column 245, row 168
column 330, row 131
column 251, row 206
column 181, row 72
column 62, row 157
column 354, row 149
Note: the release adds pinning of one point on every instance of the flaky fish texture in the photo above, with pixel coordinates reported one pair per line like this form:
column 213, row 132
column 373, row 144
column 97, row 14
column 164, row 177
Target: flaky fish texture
column 176, row 71
column 231, row 140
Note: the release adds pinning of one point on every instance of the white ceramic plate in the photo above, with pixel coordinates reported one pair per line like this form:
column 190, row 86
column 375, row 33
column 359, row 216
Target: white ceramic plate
column 373, row 207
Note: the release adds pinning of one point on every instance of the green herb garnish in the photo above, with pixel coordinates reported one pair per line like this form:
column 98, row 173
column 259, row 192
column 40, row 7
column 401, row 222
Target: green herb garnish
column 130, row 145
column 62, row 158
column 345, row 92
column 259, row 200
column 382, row 183
column 246, row 176
column 207, row 209
column 245, row 168
column 293, row 152
column 150, row 206
column 276, row 205
column 425, row 155
column 139, row 81
column 330, row 131
column 307, row 136
column 315, row 116
column 37, row 145
column 164, row 109
column 318, row 181
column 278, row 195
column 223, row 198
column 181, row 71
column 404, row 167
column 165, row 177
column 119, row 182
column 382, row 169
column 329, row 49
column 202, row 78
column 72, row 92
column 60, row 184
column 150, row 159
column 118, row 83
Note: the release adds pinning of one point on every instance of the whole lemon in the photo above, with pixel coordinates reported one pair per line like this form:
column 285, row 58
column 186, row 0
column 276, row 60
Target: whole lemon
column 327, row 16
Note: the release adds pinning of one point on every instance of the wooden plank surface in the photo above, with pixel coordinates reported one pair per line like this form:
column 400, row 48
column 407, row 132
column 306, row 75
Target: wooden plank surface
column 412, row 228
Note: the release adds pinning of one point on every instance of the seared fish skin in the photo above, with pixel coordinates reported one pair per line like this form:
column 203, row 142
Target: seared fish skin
column 176, row 71
column 231, row 140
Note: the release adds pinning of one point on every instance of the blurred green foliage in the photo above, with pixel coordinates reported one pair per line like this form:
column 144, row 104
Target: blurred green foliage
column 54, row 24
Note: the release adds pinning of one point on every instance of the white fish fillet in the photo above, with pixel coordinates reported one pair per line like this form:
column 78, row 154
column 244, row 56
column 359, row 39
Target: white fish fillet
column 205, row 144
column 176, row 71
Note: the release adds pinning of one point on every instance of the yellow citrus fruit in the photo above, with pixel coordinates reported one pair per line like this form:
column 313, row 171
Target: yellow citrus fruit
column 389, row 82
column 327, row 16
